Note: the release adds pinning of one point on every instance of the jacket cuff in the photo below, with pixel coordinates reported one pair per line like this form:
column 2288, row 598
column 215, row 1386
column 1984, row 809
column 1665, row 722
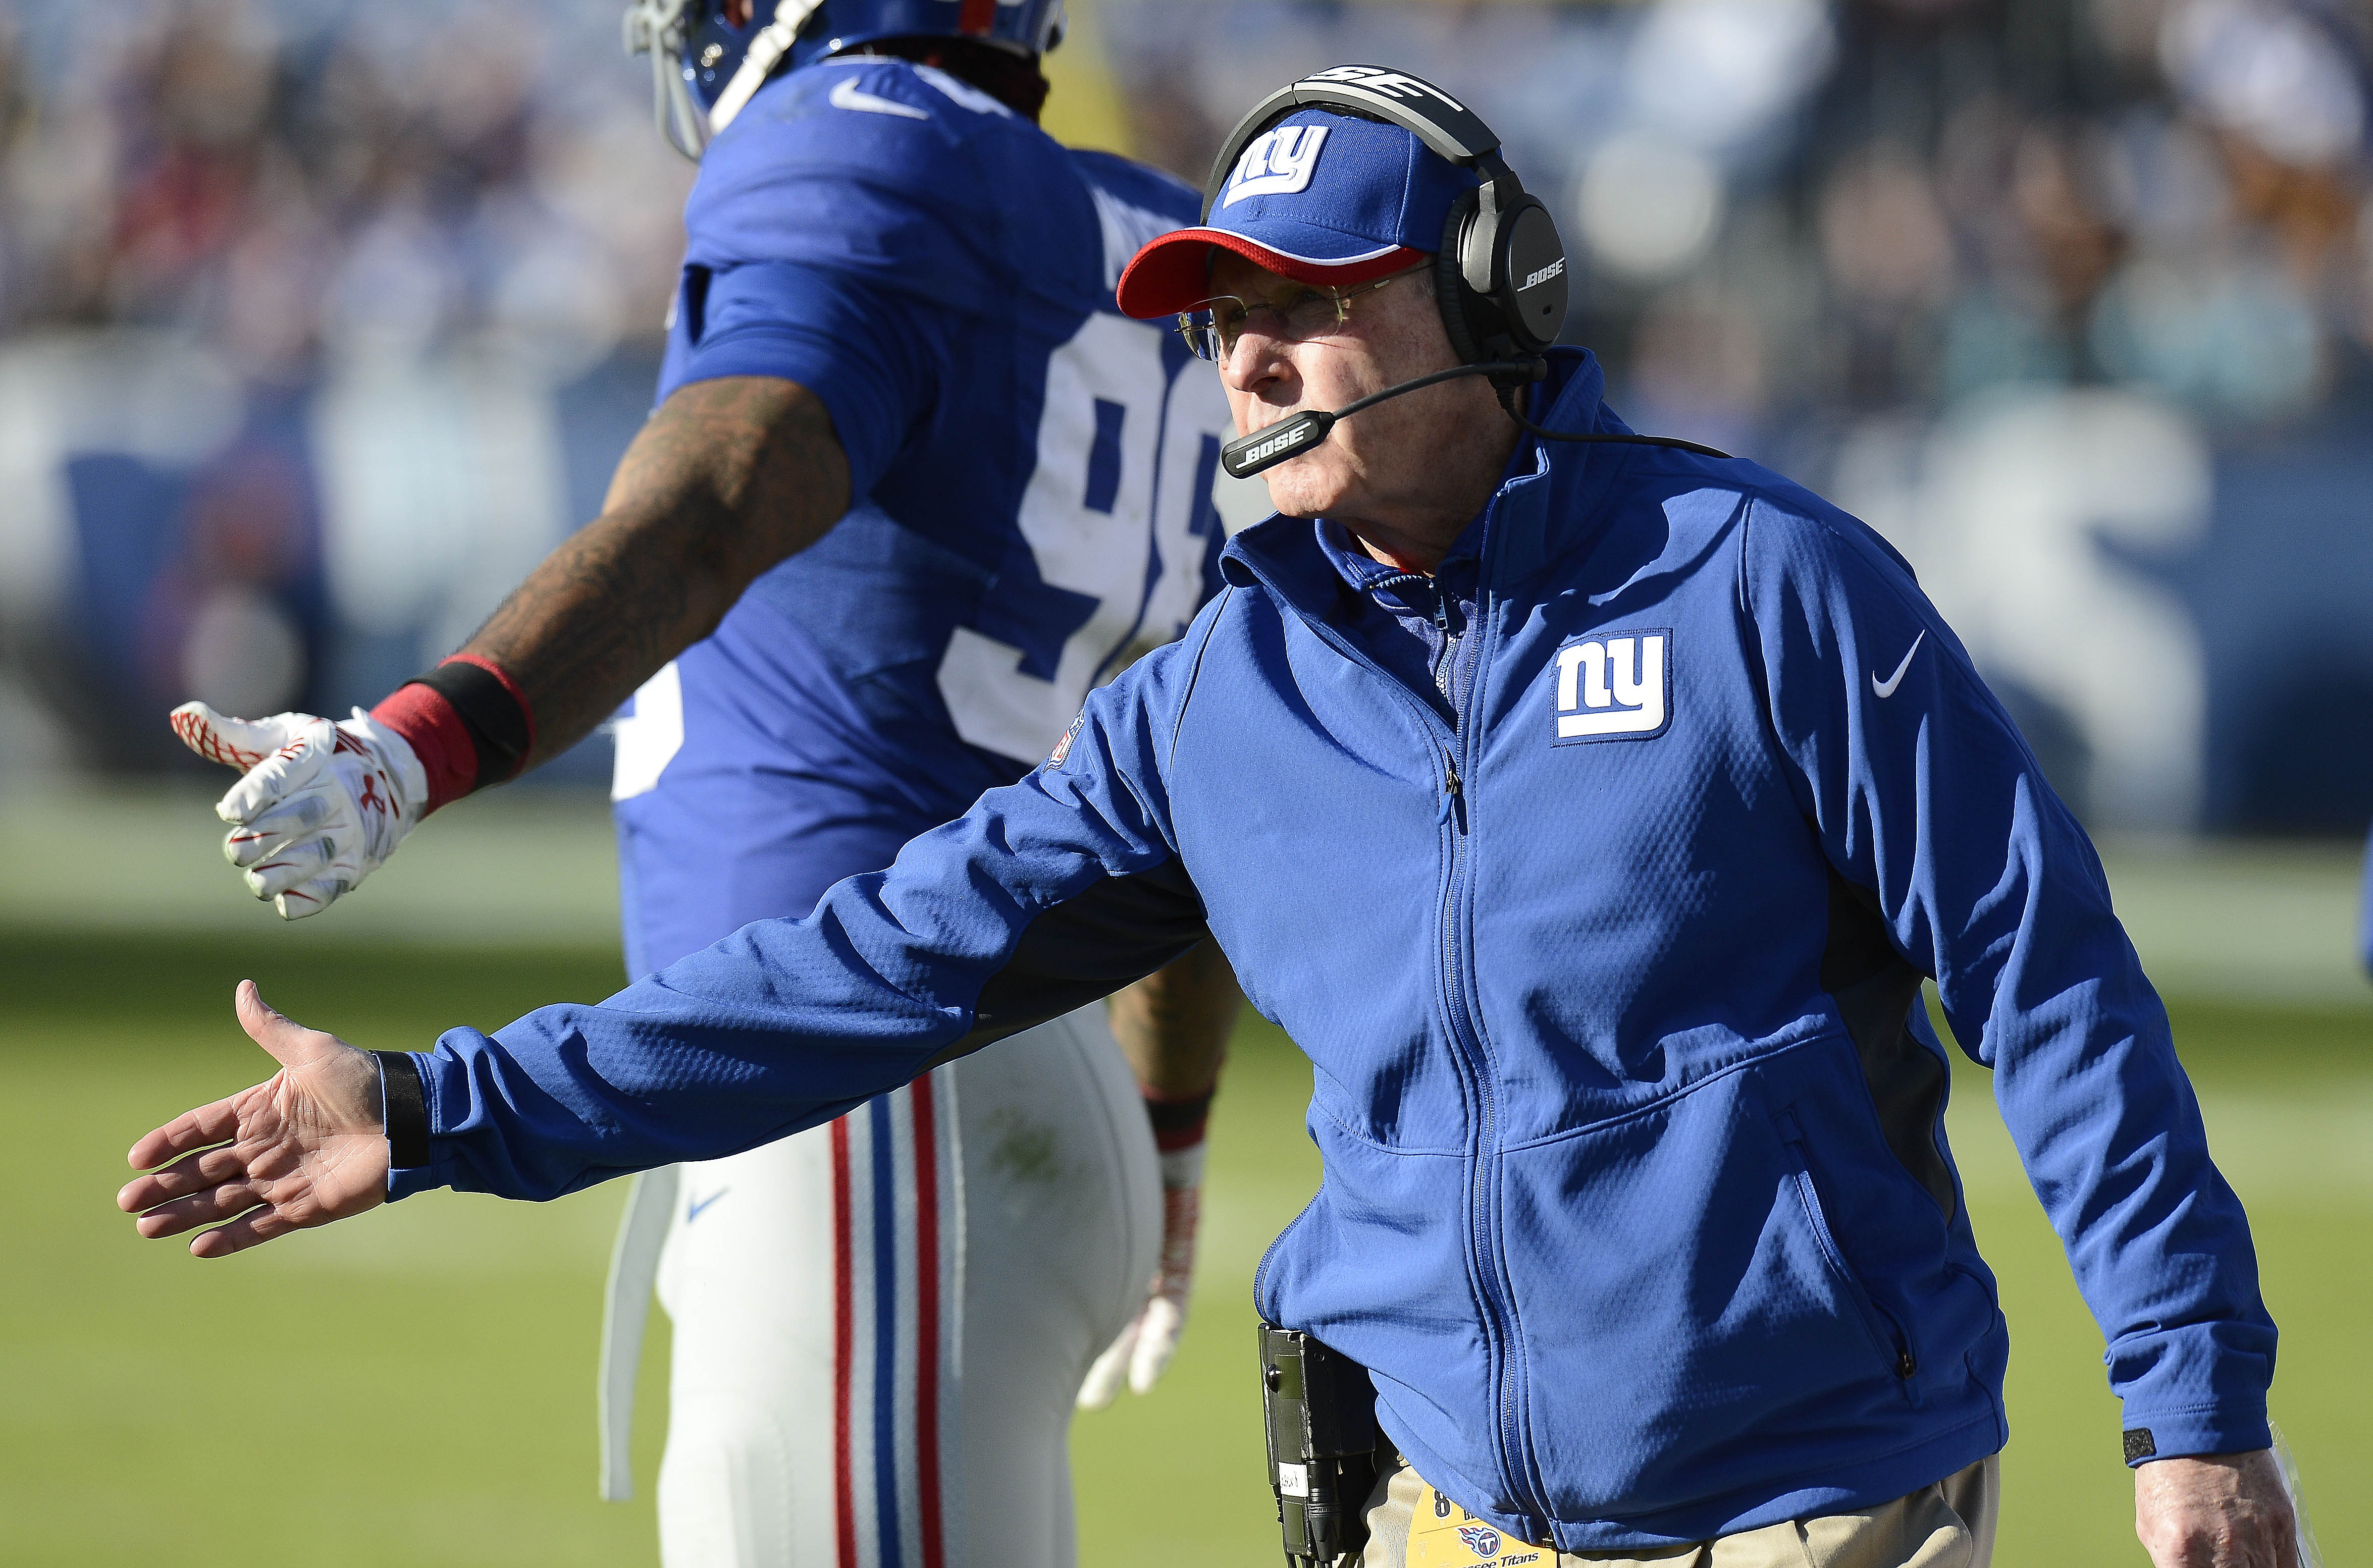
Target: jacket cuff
column 404, row 1113
column 2187, row 1434
column 2197, row 1388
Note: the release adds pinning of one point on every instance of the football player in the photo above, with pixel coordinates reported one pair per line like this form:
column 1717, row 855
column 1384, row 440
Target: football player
column 913, row 487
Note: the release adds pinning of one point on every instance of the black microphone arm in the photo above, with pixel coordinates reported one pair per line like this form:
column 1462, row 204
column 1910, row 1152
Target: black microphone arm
column 1296, row 434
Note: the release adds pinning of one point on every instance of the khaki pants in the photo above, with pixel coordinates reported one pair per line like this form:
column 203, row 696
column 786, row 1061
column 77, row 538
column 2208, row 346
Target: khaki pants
column 1948, row 1524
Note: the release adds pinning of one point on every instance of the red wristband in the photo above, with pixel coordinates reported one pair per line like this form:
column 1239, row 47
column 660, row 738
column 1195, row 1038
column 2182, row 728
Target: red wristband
column 438, row 736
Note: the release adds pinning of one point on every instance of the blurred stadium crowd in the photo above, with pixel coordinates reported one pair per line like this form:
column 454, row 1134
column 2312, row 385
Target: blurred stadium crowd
column 319, row 322
column 1793, row 206
column 322, row 323
column 2071, row 297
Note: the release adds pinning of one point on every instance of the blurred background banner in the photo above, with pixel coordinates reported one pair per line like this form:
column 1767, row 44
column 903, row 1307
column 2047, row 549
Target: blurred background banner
column 320, row 321
column 320, row 324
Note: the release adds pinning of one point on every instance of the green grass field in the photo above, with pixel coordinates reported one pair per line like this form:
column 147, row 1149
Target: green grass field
column 418, row 1387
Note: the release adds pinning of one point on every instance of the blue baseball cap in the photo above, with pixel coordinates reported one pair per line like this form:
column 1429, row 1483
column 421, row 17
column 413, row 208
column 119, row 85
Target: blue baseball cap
column 1322, row 197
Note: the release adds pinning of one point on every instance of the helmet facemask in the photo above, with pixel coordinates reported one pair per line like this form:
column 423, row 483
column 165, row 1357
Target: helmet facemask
column 657, row 27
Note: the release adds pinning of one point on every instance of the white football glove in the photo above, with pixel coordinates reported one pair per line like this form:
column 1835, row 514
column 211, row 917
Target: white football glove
column 322, row 805
column 1145, row 1347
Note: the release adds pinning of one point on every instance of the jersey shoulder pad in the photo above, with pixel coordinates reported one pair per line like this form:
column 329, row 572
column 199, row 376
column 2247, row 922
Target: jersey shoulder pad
column 894, row 171
column 1140, row 184
column 1135, row 202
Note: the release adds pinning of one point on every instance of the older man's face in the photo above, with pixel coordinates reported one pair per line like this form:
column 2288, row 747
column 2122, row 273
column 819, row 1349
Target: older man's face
column 1418, row 456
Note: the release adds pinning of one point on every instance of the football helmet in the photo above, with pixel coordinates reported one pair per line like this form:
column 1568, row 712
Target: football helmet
column 705, row 68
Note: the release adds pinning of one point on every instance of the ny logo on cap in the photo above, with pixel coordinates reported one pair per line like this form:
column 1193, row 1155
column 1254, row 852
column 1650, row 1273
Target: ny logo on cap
column 1276, row 163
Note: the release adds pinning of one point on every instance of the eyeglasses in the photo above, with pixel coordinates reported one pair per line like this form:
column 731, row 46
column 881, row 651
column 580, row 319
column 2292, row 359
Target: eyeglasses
column 1213, row 326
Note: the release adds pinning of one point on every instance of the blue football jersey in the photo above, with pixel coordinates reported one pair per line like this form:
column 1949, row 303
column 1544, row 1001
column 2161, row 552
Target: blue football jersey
column 1033, row 473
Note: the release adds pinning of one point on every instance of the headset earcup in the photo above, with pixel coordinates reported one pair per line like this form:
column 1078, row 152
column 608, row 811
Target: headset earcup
column 1449, row 289
column 1469, row 317
column 1528, row 275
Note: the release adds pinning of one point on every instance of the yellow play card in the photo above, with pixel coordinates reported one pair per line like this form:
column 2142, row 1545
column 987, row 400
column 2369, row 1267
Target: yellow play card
column 1443, row 1534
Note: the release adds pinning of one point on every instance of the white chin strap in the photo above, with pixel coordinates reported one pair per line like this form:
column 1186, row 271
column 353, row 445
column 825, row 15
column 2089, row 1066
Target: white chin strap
column 766, row 51
column 656, row 27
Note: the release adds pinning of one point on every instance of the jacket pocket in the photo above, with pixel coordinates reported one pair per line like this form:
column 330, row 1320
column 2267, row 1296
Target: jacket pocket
column 1887, row 1336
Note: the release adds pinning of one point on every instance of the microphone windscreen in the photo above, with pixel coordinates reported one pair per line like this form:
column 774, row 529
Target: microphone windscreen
column 1266, row 447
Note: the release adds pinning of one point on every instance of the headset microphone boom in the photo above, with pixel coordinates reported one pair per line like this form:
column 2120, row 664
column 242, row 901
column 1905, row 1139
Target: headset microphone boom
column 1297, row 433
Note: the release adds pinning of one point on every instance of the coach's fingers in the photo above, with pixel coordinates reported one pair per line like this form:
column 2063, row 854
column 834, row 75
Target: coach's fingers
column 210, row 1207
column 251, row 1229
column 190, row 1173
column 145, row 1193
column 291, row 1043
column 192, row 1129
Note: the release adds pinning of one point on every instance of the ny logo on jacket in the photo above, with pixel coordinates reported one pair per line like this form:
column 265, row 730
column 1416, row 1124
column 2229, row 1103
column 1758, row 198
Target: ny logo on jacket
column 1614, row 685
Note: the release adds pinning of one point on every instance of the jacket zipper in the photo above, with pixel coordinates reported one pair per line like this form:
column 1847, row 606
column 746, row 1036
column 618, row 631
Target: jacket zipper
column 1467, row 1034
column 1443, row 671
column 1468, row 1049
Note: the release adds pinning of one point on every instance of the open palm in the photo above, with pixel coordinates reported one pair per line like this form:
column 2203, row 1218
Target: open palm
column 304, row 1147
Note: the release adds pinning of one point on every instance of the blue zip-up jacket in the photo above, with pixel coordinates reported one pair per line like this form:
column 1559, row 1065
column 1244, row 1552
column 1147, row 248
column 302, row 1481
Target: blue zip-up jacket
column 1637, row 1201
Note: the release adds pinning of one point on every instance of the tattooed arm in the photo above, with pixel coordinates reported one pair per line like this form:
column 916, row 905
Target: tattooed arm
column 728, row 478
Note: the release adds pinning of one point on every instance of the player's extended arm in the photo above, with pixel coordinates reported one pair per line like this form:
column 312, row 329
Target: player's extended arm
column 1172, row 1026
column 727, row 478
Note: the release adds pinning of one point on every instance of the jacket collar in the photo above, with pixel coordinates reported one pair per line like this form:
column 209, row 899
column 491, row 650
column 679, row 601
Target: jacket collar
column 1541, row 513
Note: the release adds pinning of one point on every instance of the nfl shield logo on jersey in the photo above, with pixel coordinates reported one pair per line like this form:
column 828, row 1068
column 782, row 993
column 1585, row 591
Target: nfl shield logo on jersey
column 1063, row 746
column 1482, row 1540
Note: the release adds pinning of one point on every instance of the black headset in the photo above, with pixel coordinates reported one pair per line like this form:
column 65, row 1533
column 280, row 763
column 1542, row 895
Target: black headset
column 1499, row 274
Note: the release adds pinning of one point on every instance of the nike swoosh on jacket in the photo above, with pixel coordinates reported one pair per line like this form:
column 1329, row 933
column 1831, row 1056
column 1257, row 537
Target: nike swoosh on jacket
column 1886, row 688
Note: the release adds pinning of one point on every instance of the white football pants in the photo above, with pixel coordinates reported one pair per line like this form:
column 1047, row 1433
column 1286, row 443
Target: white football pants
column 881, row 1324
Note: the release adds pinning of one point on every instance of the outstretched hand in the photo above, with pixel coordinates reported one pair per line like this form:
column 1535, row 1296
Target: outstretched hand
column 2216, row 1511
column 304, row 1148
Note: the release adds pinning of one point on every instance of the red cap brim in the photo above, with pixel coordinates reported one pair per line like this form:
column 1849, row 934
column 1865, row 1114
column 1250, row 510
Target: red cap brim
column 1174, row 271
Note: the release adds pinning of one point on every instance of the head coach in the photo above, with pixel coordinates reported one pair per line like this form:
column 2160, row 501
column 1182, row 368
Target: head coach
column 1589, row 809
